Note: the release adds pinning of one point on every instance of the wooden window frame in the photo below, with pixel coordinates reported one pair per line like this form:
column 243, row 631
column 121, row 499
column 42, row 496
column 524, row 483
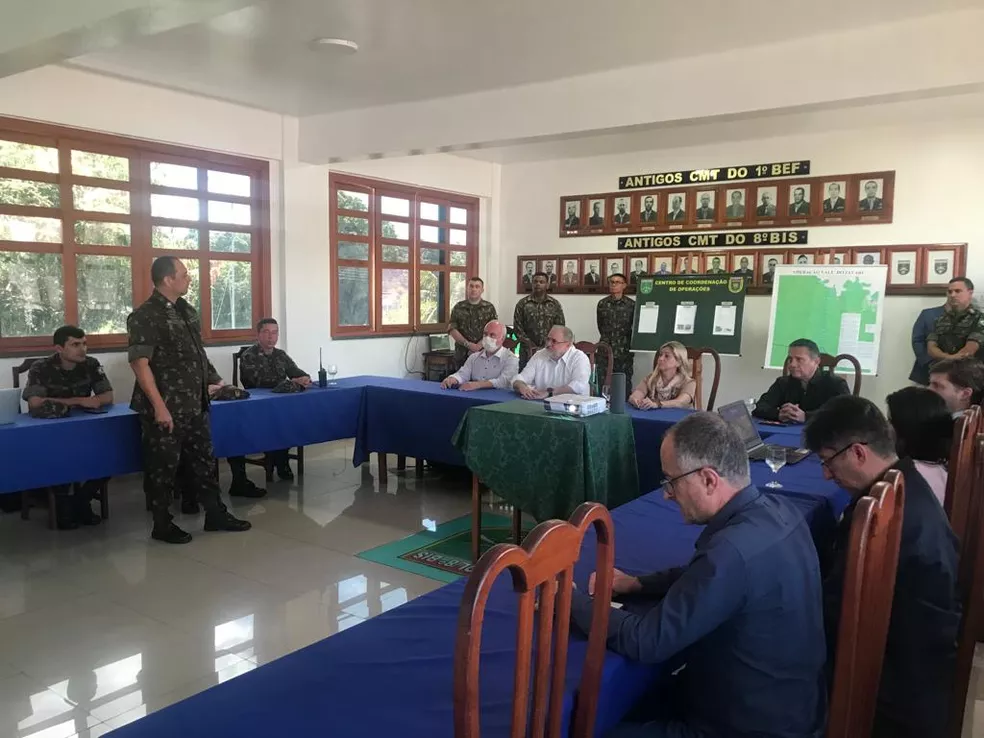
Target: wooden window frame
column 377, row 189
column 140, row 251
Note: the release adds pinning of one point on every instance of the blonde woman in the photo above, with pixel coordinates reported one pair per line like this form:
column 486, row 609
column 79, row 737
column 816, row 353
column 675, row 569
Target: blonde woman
column 670, row 384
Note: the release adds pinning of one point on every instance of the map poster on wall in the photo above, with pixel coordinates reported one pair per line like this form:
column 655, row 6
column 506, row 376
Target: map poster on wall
column 720, row 174
column 838, row 307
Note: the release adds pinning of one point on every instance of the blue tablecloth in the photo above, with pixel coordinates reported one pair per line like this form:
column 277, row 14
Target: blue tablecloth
column 393, row 675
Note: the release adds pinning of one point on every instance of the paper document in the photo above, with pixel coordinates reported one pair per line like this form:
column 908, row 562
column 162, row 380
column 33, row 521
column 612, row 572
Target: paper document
column 724, row 320
column 685, row 317
column 648, row 318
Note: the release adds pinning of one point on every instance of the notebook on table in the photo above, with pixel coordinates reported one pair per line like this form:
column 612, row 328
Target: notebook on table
column 737, row 416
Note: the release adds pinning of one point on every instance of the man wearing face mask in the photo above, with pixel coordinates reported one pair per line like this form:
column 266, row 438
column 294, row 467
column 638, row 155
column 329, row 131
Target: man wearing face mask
column 493, row 367
column 558, row 369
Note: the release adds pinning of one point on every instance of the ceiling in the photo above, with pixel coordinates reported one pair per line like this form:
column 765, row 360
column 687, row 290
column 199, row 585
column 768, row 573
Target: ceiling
column 261, row 55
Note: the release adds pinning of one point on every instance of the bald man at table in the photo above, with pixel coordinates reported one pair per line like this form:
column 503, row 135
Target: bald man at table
column 491, row 368
column 558, row 369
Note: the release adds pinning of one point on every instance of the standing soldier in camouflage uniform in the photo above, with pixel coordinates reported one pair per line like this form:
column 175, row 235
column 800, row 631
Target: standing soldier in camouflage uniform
column 171, row 395
column 615, row 315
column 533, row 318
column 959, row 331
column 66, row 379
column 264, row 365
column 468, row 320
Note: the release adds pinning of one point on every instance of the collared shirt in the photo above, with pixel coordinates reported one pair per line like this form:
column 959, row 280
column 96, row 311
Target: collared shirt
column 169, row 335
column 470, row 320
column 257, row 369
column 954, row 329
column 46, row 378
column 922, row 635
column 822, row 386
column 500, row 368
column 745, row 614
column 573, row 370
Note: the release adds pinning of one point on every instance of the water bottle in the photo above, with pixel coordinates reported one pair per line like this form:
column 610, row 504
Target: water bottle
column 593, row 383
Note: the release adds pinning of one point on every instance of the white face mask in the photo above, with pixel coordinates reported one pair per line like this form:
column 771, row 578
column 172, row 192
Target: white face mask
column 490, row 344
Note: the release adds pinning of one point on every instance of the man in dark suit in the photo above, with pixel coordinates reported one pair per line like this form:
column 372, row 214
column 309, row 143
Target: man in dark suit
column 676, row 209
column 592, row 276
column 924, row 325
column 871, row 201
column 621, row 217
column 548, row 269
column 800, row 205
column 834, row 202
column 596, row 219
column 705, row 211
column 573, row 221
column 648, row 214
column 767, row 209
column 528, row 276
column 736, row 209
column 743, row 269
column 770, row 274
column 715, row 266
column 637, row 271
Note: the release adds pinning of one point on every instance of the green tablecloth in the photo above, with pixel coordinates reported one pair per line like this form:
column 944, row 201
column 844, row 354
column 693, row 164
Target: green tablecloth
column 547, row 464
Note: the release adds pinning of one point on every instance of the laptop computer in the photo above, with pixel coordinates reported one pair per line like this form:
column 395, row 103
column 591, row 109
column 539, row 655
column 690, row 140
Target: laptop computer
column 737, row 416
column 9, row 405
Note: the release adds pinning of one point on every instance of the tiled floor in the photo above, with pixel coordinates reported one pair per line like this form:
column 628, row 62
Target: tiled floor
column 101, row 626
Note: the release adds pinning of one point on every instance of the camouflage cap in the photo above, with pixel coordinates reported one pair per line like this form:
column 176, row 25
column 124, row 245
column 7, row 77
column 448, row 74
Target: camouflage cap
column 49, row 409
column 228, row 392
column 288, row 386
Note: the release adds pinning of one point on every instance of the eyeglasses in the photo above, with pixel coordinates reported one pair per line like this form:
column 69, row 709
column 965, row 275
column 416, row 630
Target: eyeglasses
column 667, row 484
column 826, row 462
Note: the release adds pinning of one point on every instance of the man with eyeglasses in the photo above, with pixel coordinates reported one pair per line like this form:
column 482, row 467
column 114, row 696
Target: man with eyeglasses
column 746, row 610
column 559, row 369
column 856, row 447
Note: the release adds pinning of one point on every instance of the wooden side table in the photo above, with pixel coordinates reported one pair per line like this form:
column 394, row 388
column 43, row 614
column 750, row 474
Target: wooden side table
column 438, row 365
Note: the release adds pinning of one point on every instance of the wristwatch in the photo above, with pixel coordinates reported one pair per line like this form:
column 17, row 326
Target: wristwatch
column 549, row 391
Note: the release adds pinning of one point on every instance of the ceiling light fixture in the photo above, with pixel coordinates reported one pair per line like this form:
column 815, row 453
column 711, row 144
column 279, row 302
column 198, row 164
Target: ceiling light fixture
column 340, row 43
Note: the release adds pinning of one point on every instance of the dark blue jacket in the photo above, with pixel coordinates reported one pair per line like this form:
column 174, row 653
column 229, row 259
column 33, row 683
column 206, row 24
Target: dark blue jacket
column 746, row 616
column 920, row 332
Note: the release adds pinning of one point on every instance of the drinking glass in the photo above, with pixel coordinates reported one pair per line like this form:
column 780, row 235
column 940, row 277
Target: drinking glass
column 332, row 371
column 776, row 459
column 606, row 392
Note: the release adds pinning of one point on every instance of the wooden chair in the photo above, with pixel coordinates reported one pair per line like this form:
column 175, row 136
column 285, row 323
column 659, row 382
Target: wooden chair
column 960, row 477
column 829, row 363
column 30, row 495
column 866, row 608
column 971, row 586
column 696, row 356
column 543, row 565
column 603, row 375
column 266, row 461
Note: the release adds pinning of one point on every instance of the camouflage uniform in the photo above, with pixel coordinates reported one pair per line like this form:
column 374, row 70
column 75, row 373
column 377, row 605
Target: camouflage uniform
column 169, row 336
column 615, row 319
column 953, row 330
column 266, row 371
column 533, row 320
column 469, row 320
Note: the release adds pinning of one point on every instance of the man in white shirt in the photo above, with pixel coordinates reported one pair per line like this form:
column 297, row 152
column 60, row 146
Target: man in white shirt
column 558, row 369
column 491, row 368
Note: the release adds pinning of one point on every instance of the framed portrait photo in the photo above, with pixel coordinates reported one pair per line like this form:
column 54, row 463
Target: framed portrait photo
column 765, row 201
column 940, row 265
column 769, row 262
column 527, row 268
column 715, row 263
column 802, row 258
column 903, row 267
column 572, row 215
column 833, row 258
column 549, row 267
column 870, row 194
column 687, row 264
column 592, row 272
column 834, row 192
column 596, row 212
column 649, row 208
column 706, row 207
column 799, row 200
column 638, row 268
column 734, row 199
column 570, row 275
column 623, row 211
column 614, row 265
column 662, row 264
column 867, row 258
column 676, row 208
column 743, row 264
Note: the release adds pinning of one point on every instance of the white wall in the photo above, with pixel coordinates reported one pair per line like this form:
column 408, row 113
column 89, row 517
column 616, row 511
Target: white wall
column 937, row 199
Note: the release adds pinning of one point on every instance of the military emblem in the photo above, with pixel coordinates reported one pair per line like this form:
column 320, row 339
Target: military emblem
column 736, row 285
column 903, row 267
column 940, row 266
column 646, row 286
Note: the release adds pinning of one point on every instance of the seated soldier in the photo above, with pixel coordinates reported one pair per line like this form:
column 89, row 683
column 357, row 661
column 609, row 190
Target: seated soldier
column 793, row 398
column 494, row 367
column 264, row 365
column 559, row 369
column 66, row 379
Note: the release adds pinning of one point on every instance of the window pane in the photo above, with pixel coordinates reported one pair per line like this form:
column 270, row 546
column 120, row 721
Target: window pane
column 459, row 237
column 232, row 294
column 101, row 199
column 459, row 216
column 88, row 164
column 355, row 226
column 194, row 289
column 431, row 256
column 459, row 283
column 172, row 206
column 27, row 156
column 223, row 183
column 396, row 297
column 29, row 192
column 433, row 234
column 430, row 211
column 399, row 254
column 105, row 286
column 353, row 296
column 172, row 237
column 353, row 200
column 394, row 229
column 353, row 250
column 230, row 242
column 229, row 212
column 432, row 302
column 31, row 296
column 173, row 175
column 459, row 259
column 98, row 233
column 394, row 206
column 23, row 228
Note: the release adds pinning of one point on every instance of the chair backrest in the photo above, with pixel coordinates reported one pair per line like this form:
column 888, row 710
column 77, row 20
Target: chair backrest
column 544, row 565
column 696, row 356
column 829, row 363
column 866, row 608
column 235, row 365
column 603, row 372
column 960, row 476
column 972, row 593
column 21, row 368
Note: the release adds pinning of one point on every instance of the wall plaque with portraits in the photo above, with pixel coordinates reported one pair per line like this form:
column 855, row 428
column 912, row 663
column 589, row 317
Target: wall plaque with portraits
column 918, row 269
column 798, row 201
